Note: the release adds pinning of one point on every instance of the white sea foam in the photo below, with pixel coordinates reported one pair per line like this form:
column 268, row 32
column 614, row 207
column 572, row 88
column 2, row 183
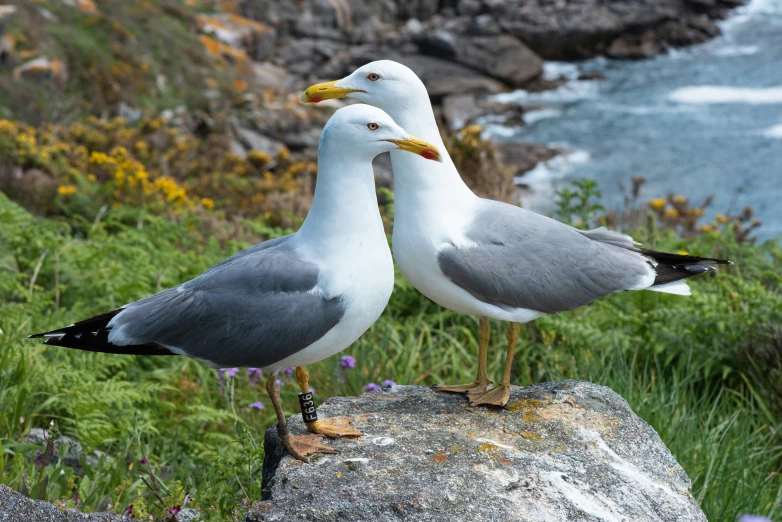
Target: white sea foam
column 554, row 70
column 736, row 50
column 714, row 94
column 569, row 92
column 744, row 13
column 530, row 117
column 774, row 132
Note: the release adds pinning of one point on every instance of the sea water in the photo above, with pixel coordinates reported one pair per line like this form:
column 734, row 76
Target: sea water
column 702, row 121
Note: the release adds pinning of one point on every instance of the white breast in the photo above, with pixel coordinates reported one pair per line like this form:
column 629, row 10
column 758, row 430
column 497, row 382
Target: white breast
column 362, row 274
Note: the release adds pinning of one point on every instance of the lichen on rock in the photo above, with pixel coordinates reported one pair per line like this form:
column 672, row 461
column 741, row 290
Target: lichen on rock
column 569, row 451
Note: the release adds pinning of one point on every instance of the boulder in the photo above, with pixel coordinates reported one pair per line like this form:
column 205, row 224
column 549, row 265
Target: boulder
column 15, row 507
column 499, row 56
column 562, row 451
column 72, row 458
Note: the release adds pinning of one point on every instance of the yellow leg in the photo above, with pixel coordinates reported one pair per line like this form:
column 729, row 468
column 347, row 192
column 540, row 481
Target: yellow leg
column 482, row 380
column 499, row 395
column 336, row 427
column 300, row 446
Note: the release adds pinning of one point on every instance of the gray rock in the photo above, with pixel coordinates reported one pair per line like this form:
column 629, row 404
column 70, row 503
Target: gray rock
column 499, row 56
column 255, row 141
column 188, row 515
column 72, row 458
column 562, row 451
column 15, row 507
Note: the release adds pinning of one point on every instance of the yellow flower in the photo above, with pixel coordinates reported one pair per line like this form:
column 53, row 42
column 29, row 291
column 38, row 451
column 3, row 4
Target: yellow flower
column 66, row 190
column 705, row 228
column 682, row 252
column 721, row 218
column 208, row 202
column 657, row 203
column 671, row 212
column 679, row 199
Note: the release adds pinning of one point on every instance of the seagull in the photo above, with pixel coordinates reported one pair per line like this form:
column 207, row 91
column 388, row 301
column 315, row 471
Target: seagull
column 491, row 259
column 290, row 301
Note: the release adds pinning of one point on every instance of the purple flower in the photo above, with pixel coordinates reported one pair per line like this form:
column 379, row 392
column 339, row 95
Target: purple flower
column 280, row 383
column 143, row 462
column 754, row 518
column 258, row 405
column 255, row 374
column 229, row 372
column 387, row 383
column 129, row 511
column 174, row 511
column 372, row 387
column 288, row 371
column 346, row 361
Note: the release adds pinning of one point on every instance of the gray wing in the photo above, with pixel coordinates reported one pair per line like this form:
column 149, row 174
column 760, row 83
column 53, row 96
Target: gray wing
column 253, row 309
column 525, row 260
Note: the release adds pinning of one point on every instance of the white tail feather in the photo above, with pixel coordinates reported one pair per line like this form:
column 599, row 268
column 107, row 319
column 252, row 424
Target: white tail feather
column 676, row 287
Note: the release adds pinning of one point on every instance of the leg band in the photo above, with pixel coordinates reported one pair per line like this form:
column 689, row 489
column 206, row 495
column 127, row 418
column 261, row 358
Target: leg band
column 307, row 405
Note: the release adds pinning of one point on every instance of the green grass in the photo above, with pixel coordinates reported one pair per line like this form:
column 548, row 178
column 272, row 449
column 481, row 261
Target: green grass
column 703, row 371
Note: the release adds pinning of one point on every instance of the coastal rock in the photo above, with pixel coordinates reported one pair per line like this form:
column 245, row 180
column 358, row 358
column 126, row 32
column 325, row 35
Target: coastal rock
column 72, row 457
column 15, row 507
column 561, row 451
column 499, row 56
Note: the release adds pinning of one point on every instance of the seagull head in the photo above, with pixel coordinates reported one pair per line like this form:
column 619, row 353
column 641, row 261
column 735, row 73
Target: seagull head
column 384, row 83
column 369, row 131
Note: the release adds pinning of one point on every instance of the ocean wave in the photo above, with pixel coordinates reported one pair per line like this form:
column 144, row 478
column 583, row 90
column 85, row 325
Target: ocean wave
column 736, row 50
column 531, row 117
column 754, row 8
column 555, row 70
column 773, row 132
column 714, row 94
column 570, row 92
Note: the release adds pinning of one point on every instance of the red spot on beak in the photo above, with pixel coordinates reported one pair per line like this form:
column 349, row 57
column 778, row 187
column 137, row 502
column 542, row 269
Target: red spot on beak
column 317, row 98
column 428, row 154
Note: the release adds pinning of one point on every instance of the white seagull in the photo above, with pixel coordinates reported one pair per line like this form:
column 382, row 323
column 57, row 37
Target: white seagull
column 486, row 258
column 290, row 301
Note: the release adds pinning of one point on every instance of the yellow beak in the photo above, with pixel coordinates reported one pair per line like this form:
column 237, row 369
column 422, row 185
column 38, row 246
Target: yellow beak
column 325, row 91
column 420, row 147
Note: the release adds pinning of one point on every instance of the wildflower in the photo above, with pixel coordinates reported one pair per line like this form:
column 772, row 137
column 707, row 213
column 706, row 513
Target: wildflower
column 372, row 387
column 705, row 228
column 387, row 383
column 280, row 383
column 682, row 252
column 721, row 218
column 208, row 202
column 174, row 511
column 255, row 374
column 671, row 212
column 288, row 371
column 657, row 203
column 347, row 361
column 143, row 462
column 258, row 405
column 679, row 200
column 129, row 511
column 66, row 190
column 228, row 372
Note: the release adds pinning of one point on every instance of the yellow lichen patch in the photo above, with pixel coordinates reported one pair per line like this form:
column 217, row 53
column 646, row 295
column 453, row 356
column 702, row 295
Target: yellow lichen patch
column 487, row 446
column 528, row 407
column 558, row 449
column 440, row 456
column 529, row 435
column 454, row 449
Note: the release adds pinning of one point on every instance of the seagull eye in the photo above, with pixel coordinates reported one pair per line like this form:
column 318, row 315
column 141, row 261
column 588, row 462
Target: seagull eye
column 373, row 77
column 373, row 126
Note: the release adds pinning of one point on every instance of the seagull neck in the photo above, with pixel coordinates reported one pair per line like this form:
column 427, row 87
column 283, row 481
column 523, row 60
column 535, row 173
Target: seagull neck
column 345, row 201
column 419, row 180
